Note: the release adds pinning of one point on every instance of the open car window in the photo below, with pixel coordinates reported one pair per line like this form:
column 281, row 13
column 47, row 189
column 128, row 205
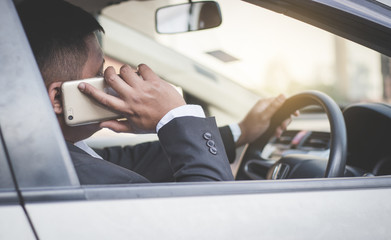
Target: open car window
column 224, row 86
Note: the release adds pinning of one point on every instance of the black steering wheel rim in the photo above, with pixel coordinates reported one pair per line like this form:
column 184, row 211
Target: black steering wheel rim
column 338, row 144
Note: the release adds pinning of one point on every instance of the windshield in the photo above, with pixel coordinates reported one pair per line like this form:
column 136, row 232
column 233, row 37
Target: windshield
column 269, row 53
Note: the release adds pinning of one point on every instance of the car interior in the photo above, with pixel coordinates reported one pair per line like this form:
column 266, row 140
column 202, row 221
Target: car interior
column 314, row 144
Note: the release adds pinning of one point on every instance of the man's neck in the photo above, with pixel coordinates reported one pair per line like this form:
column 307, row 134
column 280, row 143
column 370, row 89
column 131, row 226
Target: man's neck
column 77, row 133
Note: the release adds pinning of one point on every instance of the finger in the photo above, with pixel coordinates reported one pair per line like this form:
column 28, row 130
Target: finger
column 116, row 82
column 102, row 97
column 262, row 103
column 116, row 126
column 284, row 125
column 146, row 72
column 278, row 132
column 130, row 75
column 273, row 106
column 260, row 106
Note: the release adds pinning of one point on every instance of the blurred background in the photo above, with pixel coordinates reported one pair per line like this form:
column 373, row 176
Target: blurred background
column 270, row 53
column 254, row 53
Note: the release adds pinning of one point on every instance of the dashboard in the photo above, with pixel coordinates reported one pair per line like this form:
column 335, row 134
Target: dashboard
column 368, row 127
column 369, row 131
column 298, row 142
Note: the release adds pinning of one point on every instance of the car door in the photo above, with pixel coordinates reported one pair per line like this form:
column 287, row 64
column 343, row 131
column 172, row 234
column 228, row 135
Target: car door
column 48, row 201
column 22, row 155
column 14, row 221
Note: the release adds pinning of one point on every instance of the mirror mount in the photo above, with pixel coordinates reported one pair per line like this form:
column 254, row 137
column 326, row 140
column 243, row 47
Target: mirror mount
column 187, row 17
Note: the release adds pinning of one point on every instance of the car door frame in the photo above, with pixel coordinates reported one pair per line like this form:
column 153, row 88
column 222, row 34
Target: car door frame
column 45, row 177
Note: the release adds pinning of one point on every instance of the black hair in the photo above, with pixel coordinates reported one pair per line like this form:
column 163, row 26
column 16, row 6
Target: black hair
column 57, row 31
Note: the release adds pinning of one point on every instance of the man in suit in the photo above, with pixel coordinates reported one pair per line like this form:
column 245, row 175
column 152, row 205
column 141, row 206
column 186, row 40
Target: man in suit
column 190, row 148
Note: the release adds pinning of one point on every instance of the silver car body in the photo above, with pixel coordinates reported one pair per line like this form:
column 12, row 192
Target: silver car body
column 41, row 198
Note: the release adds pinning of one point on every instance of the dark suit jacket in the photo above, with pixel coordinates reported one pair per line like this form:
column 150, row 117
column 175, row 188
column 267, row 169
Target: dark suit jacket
column 189, row 149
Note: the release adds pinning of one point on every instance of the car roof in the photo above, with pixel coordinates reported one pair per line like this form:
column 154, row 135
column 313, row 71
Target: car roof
column 95, row 6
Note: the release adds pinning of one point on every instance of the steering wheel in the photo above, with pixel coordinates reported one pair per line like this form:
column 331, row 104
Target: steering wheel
column 300, row 166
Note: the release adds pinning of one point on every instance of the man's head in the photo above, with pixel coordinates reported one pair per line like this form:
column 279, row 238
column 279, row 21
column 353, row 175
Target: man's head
column 62, row 37
column 57, row 32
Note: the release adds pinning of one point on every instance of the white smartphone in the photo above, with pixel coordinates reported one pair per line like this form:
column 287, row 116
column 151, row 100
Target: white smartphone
column 80, row 109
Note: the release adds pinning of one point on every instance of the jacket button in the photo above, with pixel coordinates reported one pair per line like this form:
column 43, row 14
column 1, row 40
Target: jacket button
column 213, row 150
column 207, row 136
column 210, row 143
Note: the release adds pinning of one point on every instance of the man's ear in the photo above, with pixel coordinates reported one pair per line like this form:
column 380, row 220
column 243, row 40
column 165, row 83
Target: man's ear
column 54, row 91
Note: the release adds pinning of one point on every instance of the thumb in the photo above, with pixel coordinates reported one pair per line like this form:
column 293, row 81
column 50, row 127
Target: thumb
column 116, row 126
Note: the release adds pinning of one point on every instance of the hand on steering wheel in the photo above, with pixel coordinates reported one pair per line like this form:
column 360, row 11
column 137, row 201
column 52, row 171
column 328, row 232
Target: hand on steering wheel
column 338, row 147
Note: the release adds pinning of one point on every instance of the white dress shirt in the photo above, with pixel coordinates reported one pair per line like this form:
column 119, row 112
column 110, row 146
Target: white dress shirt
column 182, row 111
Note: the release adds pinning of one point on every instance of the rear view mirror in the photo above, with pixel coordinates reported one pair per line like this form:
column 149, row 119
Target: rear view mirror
column 188, row 17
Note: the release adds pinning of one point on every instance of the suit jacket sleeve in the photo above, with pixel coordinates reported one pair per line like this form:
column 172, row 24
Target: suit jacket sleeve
column 195, row 150
column 150, row 160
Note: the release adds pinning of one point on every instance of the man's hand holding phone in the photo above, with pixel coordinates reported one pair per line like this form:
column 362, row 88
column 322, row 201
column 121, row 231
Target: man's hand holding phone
column 144, row 98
